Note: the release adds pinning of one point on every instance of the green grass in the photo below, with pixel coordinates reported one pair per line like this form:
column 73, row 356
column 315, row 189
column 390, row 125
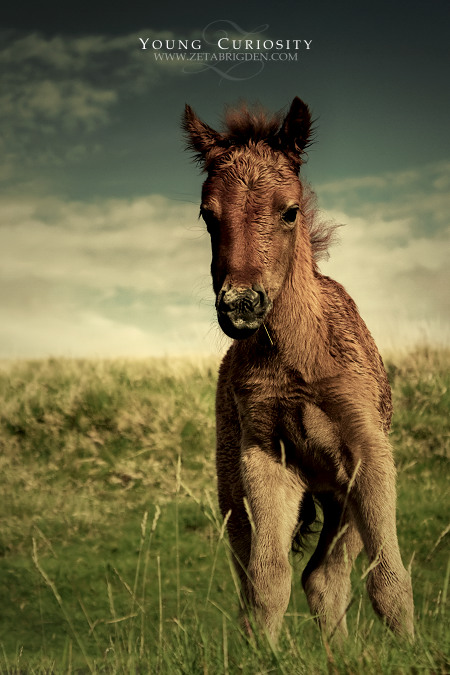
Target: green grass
column 112, row 554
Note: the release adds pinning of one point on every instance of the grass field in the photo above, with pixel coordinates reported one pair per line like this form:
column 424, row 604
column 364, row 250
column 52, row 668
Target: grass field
column 112, row 554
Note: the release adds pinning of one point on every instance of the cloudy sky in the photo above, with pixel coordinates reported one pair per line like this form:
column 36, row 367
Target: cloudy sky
column 101, row 251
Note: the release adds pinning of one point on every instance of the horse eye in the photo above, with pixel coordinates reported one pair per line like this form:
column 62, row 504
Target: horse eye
column 209, row 218
column 290, row 215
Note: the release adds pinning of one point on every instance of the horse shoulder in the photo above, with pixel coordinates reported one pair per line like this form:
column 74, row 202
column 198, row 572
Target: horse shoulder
column 352, row 346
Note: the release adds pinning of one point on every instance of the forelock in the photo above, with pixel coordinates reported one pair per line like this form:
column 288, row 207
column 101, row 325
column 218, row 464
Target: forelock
column 243, row 124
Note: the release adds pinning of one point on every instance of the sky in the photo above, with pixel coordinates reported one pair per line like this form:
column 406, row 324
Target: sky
column 101, row 249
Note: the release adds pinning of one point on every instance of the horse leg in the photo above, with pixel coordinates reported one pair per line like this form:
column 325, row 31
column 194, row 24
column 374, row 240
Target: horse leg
column 274, row 493
column 326, row 578
column 239, row 536
column 231, row 492
column 373, row 503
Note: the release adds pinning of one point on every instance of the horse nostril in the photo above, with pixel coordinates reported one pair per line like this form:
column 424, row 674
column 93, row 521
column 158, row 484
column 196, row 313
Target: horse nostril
column 227, row 301
column 262, row 297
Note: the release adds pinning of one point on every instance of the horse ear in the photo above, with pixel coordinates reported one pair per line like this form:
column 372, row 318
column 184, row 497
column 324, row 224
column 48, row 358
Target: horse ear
column 295, row 132
column 200, row 137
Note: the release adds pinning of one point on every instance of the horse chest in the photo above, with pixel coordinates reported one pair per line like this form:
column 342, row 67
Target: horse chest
column 282, row 406
column 280, row 411
column 313, row 446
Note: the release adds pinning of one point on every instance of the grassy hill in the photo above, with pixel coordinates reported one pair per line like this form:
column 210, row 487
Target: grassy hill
column 112, row 554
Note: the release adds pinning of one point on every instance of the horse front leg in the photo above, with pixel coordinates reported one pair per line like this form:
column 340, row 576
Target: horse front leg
column 372, row 500
column 273, row 494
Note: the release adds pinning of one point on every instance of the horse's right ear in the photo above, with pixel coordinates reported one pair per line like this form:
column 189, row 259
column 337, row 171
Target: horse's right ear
column 200, row 137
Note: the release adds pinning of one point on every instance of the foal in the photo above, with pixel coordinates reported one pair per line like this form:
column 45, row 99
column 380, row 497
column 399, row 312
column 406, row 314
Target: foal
column 303, row 400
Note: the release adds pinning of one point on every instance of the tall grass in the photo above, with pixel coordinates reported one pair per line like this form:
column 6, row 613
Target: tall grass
column 113, row 556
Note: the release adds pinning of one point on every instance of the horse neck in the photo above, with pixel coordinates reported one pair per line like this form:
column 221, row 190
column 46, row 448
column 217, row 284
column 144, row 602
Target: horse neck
column 296, row 320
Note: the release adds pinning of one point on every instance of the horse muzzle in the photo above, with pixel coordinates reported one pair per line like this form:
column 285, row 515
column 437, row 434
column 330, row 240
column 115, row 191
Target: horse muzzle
column 241, row 311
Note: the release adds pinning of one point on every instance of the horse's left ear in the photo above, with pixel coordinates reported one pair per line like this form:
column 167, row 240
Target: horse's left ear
column 295, row 132
column 200, row 137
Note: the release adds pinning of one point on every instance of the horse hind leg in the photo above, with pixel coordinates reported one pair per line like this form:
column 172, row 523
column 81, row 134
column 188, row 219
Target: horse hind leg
column 326, row 578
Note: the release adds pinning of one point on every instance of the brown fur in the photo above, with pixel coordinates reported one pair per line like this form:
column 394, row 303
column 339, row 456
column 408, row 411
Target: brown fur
column 303, row 403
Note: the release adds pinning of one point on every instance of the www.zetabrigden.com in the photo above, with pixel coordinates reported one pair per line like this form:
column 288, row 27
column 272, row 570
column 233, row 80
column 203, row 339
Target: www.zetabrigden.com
column 225, row 56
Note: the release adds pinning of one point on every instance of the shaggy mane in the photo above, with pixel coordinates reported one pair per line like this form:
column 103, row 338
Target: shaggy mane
column 243, row 124
column 322, row 233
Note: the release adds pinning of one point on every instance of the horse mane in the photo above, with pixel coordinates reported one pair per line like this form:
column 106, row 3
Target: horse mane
column 322, row 232
column 243, row 124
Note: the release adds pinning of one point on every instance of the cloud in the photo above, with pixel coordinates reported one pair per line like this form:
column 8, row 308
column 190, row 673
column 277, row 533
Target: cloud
column 120, row 276
column 421, row 196
column 393, row 255
column 76, row 80
column 72, row 81
column 56, row 93
column 125, row 276
column 124, row 242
